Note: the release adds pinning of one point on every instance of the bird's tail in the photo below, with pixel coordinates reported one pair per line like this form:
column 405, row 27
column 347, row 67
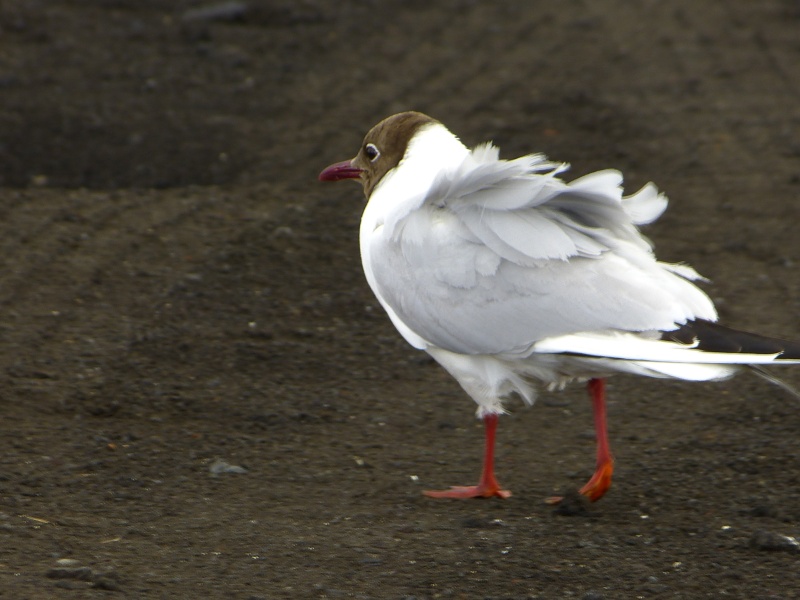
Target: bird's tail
column 712, row 337
column 697, row 351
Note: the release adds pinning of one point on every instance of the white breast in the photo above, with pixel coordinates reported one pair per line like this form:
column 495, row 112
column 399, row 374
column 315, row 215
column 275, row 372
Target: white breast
column 432, row 150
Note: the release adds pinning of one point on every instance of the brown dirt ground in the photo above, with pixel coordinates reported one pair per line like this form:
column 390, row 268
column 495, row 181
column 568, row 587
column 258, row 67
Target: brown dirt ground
column 178, row 290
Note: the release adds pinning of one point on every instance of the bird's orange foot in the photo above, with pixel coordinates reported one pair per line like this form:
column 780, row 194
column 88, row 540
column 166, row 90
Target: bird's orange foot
column 469, row 491
column 596, row 487
column 600, row 482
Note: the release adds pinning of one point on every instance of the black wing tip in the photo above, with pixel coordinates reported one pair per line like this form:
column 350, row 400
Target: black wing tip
column 713, row 337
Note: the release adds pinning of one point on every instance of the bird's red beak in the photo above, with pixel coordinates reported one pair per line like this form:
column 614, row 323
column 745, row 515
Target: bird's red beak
column 339, row 171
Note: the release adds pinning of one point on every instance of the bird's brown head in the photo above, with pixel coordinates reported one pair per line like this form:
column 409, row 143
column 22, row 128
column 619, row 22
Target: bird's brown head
column 382, row 150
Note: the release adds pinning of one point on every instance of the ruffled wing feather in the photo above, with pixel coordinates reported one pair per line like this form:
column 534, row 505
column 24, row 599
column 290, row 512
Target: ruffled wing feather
column 502, row 254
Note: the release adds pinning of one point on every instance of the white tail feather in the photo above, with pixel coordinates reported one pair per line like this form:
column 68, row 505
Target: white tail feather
column 636, row 347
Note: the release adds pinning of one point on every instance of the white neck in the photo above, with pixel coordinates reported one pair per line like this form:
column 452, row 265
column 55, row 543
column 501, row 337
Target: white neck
column 433, row 149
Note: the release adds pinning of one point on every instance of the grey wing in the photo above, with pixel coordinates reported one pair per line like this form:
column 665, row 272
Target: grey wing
column 500, row 256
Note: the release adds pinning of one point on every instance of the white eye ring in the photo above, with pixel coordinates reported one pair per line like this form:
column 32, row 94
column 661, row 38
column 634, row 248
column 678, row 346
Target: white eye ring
column 372, row 152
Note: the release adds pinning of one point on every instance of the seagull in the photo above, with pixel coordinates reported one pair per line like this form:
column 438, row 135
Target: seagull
column 506, row 275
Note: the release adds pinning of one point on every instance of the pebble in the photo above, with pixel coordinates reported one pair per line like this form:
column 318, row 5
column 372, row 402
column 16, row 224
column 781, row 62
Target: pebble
column 67, row 562
column 220, row 466
column 773, row 542
column 572, row 504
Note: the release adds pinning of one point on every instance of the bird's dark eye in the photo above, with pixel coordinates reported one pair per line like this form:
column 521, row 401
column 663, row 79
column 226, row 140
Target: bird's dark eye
column 372, row 152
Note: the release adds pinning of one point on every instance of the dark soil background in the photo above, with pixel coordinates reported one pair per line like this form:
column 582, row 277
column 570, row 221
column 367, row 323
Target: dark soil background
column 200, row 396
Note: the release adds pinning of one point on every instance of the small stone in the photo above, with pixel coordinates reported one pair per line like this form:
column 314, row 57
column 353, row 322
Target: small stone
column 220, row 466
column 67, row 562
column 773, row 542
column 573, row 504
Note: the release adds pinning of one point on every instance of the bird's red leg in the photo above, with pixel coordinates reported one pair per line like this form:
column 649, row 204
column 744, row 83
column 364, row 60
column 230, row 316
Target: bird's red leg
column 600, row 482
column 488, row 486
column 598, row 485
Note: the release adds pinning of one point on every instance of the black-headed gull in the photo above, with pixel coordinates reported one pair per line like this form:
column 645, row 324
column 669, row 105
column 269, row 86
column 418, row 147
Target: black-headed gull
column 506, row 274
